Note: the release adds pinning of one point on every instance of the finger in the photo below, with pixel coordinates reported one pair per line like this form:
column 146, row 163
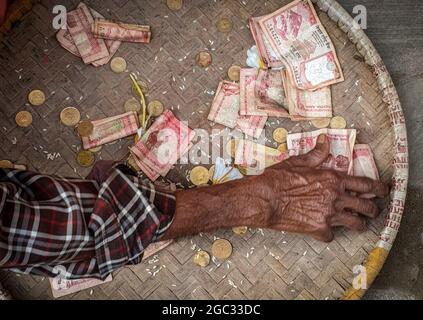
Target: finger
column 359, row 205
column 366, row 185
column 325, row 236
column 315, row 157
column 349, row 221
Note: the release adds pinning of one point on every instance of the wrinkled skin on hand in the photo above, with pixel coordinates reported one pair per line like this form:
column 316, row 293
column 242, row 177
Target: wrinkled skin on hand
column 308, row 200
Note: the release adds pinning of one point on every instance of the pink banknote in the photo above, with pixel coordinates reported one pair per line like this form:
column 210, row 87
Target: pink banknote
column 111, row 129
column 162, row 145
column 79, row 26
column 115, row 30
column 364, row 162
column 297, row 35
column 248, row 101
column 341, row 147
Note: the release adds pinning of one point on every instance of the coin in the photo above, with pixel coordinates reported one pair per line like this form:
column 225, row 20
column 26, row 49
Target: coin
column 36, row 97
column 96, row 149
column 85, row 128
column 283, row 148
column 320, row 123
column 280, row 135
column 199, row 176
column 231, row 147
column 70, row 116
column 222, row 249
column 6, row 164
column 155, row 108
column 118, row 64
column 240, row 230
column 338, row 123
column 23, row 119
column 233, row 73
column 224, row 25
column 132, row 105
column 203, row 59
column 202, row 258
column 85, row 158
column 174, row 5
column 131, row 162
column 211, row 172
column 144, row 86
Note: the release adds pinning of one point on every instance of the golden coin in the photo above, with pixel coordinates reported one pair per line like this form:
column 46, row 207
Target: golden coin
column 96, row 149
column 133, row 164
column 155, row 108
column 144, row 86
column 23, row 119
column 174, row 5
column 118, row 65
column 240, row 230
column 85, row 128
column 231, row 147
column 233, row 73
column 338, row 123
column 202, row 259
column 70, row 116
column 320, row 123
column 222, row 249
column 224, row 25
column 280, row 135
column 211, row 172
column 132, row 105
column 199, row 176
column 203, row 59
column 36, row 97
column 283, row 148
column 6, row 164
column 85, row 158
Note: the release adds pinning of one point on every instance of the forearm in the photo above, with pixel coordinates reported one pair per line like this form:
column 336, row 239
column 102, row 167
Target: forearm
column 235, row 203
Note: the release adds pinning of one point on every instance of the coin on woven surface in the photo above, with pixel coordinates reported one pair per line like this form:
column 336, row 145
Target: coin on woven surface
column 6, row 164
column 85, row 128
column 96, row 149
column 23, row 119
column 280, row 135
column 233, row 73
column 222, row 249
column 85, row 158
column 224, row 25
column 70, row 116
column 155, row 108
column 203, row 59
column 118, row 65
column 202, row 259
column 199, row 176
column 36, row 97
column 174, row 5
column 240, row 230
column 320, row 123
column 283, row 147
column 132, row 104
column 338, row 123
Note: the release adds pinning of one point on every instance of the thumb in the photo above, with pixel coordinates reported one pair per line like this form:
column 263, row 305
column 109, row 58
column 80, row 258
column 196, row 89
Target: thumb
column 315, row 157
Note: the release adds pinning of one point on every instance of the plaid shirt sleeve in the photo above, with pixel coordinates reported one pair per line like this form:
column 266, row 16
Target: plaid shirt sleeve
column 87, row 227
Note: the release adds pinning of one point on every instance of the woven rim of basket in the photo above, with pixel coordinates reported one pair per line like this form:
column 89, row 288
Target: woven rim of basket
column 378, row 255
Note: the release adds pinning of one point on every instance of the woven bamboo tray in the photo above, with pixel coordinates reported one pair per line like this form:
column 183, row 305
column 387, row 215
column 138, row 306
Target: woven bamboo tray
column 264, row 264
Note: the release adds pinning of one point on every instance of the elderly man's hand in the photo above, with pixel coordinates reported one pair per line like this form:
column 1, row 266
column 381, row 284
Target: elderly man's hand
column 294, row 196
column 308, row 200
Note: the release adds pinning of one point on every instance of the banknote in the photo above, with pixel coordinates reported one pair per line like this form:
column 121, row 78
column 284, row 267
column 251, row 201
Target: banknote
column 297, row 35
column 268, row 55
column 252, row 158
column 305, row 104
column 111, row 129
column 66, row 41
column 364, row 162
column 115, row 30
column 341, row 147
column 79, row 26
column 248, row 101
column 163, row 144
column 62, row 287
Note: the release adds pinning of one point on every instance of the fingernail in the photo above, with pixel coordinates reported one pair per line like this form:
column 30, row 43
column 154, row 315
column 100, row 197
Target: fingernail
column 321, row 139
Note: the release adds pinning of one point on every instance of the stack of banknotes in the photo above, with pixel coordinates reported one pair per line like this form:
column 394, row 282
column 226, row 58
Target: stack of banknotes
column 95, row 40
